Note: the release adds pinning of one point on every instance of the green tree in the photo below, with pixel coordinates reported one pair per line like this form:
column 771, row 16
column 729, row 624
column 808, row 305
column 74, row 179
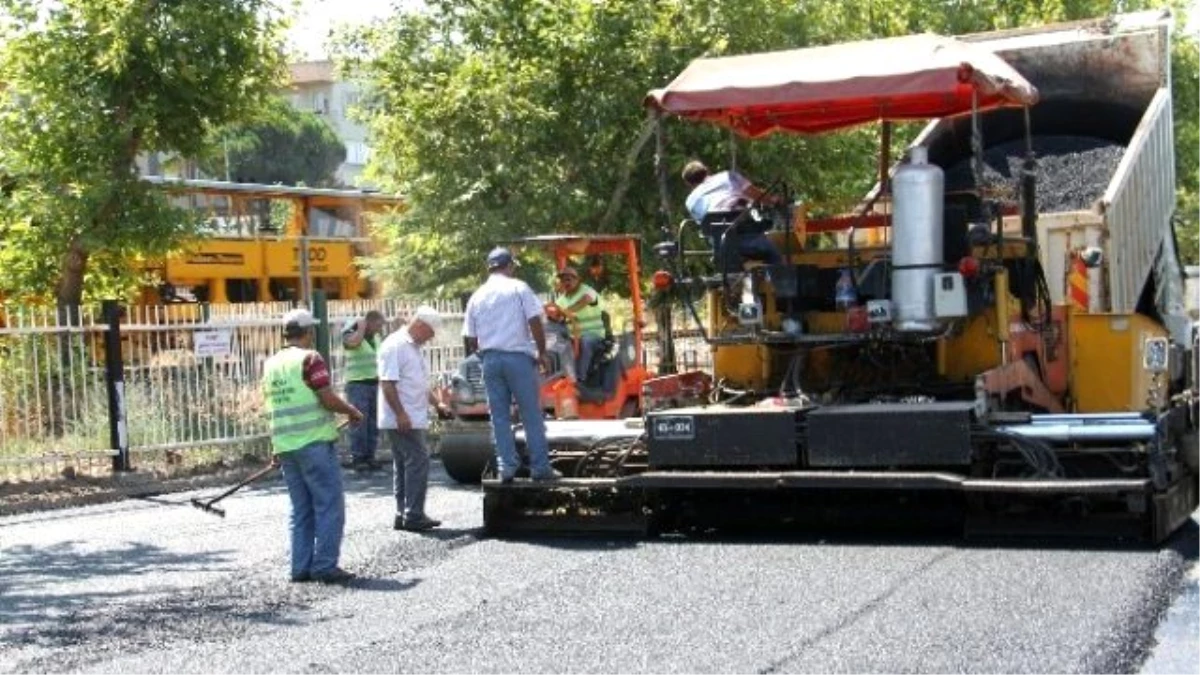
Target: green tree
column 284, row 145
column 88, row 86
column 1185, row 91
column 501, row 118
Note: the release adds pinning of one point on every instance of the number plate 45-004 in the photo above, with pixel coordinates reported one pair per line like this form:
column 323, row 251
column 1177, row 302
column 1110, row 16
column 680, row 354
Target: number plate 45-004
column 674, row 428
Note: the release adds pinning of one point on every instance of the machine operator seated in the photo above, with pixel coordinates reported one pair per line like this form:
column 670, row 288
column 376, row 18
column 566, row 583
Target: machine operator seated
column 728, row 192
column 580, row 304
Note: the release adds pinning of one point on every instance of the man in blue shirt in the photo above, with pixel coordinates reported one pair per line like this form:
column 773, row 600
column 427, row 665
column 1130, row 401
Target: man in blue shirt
column 728, row 191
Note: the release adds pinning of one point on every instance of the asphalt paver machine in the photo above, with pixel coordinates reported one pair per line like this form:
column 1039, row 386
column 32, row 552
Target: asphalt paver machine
column 977, row 361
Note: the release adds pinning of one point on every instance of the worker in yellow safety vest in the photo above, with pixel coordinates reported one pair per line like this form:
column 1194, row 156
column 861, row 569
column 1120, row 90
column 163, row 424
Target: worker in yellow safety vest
column 301, row 404
column 581, row 304
column 361, row 338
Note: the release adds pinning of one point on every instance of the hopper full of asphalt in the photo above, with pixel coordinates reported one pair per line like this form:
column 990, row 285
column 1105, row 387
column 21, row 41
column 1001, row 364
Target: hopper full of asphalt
column 1072, row 171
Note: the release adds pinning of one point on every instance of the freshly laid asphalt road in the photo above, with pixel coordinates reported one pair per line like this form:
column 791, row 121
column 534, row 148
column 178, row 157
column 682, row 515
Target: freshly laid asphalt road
column 156, row 585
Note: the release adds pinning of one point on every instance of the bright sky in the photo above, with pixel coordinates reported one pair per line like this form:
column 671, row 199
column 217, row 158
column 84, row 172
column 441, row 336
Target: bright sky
column 317, row 18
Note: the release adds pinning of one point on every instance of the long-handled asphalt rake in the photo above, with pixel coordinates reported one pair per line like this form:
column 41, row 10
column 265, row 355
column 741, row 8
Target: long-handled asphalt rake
column 208, row 506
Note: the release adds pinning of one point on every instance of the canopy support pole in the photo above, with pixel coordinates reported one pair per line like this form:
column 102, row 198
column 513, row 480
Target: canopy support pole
column 660, row 168
column 885, row 156
column 885, row 166
column 1029, row 186
column 985, row 204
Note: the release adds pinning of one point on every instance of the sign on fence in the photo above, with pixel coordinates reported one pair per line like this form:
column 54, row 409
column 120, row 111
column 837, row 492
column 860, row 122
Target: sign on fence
column 212, row 343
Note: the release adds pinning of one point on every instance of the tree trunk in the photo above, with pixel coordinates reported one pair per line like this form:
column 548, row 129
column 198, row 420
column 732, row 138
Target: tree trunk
column 618, row 197
column 70, row 284
column 69, row 291
column 69, row 294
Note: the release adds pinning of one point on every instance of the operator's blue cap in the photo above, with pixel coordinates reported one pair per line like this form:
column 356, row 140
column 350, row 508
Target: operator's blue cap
column 500, row 257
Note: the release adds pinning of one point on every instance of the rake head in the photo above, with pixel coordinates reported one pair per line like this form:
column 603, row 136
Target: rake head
column 207, row 507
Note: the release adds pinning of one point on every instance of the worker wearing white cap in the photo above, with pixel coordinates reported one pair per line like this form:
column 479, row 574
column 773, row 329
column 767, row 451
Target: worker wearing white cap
column 404, row 401
column 301, row 403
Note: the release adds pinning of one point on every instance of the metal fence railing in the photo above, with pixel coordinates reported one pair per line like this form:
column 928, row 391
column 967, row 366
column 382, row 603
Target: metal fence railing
column 190, row 378
column 193, row 383
column 52, row 392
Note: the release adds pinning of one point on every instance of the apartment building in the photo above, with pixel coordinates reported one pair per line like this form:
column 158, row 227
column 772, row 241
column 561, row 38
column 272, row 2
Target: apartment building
column 315, row 87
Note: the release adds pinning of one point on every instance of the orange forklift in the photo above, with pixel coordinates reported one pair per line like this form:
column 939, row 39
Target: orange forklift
column 611, row 389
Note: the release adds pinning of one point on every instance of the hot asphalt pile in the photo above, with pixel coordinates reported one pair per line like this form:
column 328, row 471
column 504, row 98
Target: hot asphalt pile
column 1072, row 171
column 150, row 587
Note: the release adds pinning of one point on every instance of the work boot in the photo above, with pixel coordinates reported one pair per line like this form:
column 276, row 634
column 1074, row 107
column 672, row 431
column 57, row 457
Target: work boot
column 420, row 524
column 336, row 575
column 551, row 475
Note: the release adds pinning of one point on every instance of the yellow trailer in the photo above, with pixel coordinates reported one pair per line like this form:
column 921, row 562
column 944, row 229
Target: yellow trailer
column 269, row 242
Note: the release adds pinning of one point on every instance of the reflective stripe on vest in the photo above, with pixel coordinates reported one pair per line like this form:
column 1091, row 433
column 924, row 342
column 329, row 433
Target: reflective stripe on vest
column 360, row 360
column 589, row 318
column 297, row 418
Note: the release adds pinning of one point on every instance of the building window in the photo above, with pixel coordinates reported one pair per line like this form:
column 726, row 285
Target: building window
column 357, row 152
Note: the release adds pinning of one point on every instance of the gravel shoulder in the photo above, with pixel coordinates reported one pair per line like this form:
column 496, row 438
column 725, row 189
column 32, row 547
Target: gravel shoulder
column 63, row 493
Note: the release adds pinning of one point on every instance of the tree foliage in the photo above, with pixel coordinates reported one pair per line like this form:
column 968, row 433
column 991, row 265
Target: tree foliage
column 1185, row 90
column 283, row 145
column 87, row 86
column 502, row 118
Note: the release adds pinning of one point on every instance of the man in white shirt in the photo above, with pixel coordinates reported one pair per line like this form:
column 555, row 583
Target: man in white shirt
column 503, row 323
column 728, row 191
column 404, row 401
column 724, row 191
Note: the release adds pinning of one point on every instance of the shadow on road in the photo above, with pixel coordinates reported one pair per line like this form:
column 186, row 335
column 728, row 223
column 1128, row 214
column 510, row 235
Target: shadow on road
column 30, row 573
column 42, row 605
column 1186, row 541
column 448, row 533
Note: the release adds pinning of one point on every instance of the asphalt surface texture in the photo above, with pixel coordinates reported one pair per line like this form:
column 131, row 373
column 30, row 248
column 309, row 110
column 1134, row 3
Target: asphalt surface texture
column 155, row 585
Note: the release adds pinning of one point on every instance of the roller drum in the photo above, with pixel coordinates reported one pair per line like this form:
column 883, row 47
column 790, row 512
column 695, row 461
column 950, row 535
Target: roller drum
column 466, row 451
